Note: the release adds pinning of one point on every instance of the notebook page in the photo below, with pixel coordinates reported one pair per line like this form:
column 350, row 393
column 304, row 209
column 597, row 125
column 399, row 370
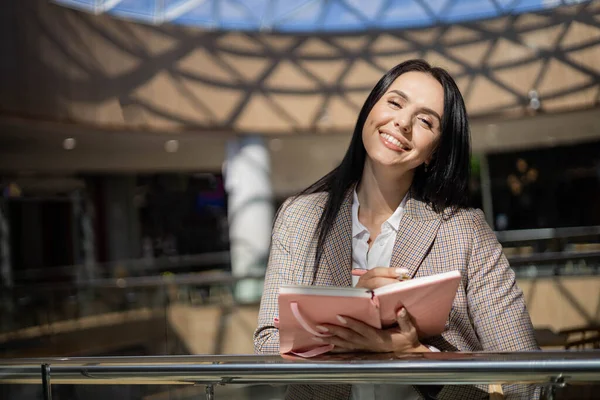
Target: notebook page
column 325, row 291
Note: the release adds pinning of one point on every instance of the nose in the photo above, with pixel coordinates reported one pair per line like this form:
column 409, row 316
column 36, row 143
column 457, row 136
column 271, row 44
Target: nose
column 403, row 122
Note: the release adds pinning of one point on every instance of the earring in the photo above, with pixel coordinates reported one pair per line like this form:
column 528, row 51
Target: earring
column 426, row 167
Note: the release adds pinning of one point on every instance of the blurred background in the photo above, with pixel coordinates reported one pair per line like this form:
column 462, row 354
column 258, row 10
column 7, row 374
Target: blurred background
column 146, row 144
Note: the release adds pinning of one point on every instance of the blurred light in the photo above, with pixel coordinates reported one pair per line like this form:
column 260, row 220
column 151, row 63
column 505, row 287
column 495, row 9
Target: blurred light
column 534, row 104
column 501, row 222
column 534, row 100
column 276, row 144
column 69, row 143
column 532, row 175
column 522, row 165
column 12, row 190
column 514, row 184
column 171, row 146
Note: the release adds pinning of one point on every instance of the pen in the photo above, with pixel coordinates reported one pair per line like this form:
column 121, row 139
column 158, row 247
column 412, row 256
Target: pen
column 361, row 272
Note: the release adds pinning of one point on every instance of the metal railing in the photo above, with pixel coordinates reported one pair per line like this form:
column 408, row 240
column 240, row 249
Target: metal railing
column 134, row 266
column 548, row 369
column 521, row 235
column 209, row 277
column 147, row 267
column 33, row 304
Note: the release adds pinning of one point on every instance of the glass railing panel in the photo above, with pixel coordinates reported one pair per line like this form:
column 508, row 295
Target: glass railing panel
column 247, row 376
column 145, row 392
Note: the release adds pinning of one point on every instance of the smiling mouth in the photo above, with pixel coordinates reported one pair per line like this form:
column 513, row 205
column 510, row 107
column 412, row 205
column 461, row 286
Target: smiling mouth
column 395, row 142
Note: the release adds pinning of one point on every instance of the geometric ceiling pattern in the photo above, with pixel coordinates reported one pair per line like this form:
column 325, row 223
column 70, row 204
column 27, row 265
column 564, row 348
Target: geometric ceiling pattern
column 311, row 15
column 117, row 74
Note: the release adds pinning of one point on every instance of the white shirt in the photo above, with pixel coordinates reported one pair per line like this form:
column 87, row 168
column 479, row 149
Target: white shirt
column 379, row 255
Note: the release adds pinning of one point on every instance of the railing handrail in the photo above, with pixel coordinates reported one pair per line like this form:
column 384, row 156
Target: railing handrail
column 557, row 256
column 520, row 235
column 181, row 261
column 224, row 277
column 197, row 278
column 435, row 368
column 135, row 264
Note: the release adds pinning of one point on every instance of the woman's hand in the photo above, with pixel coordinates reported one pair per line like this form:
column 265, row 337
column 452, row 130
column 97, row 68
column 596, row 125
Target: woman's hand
column 355, row 335
column 381, row 276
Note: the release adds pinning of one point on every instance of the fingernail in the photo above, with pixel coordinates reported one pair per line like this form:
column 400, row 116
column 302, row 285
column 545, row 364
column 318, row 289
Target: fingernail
column 401, row 272
column 322, row 328
column 317, row 339
column 402, row 312
column 342, row 319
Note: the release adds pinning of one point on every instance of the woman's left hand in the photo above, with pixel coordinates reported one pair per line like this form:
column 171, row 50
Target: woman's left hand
column 355, row 335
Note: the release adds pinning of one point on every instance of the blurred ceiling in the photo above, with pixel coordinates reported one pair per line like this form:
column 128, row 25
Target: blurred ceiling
column 115, row 74
column 311, row 15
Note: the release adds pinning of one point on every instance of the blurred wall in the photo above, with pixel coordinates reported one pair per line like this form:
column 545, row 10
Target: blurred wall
column 562, row 302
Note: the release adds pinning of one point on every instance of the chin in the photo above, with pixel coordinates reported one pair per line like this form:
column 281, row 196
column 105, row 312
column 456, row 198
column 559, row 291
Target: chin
column 385, row 159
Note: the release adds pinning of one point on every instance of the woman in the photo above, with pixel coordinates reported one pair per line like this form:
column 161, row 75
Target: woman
column 397, row 201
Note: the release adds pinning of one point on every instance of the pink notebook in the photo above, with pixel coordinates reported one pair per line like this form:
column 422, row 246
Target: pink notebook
column 301, row 308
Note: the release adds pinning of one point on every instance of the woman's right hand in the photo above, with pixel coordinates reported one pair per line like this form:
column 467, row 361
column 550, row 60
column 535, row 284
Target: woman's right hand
column 381, row 276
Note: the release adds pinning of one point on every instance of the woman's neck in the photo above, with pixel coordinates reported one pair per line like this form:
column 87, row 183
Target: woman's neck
column 381, row 190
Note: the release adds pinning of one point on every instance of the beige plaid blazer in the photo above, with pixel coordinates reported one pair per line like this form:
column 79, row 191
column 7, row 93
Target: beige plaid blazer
column 488, row 313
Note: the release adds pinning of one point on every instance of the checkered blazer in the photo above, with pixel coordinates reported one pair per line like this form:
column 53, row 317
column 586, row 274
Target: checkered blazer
column 488, row 313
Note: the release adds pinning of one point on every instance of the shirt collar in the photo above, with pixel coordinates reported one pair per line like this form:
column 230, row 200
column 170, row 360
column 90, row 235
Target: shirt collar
column 393, row 221
column 357, row 227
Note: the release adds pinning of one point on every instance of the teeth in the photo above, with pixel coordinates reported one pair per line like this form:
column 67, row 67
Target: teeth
column 392, row 140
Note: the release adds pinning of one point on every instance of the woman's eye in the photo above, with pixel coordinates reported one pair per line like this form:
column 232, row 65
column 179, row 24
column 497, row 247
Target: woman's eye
column 394, row 103
column 429, row 124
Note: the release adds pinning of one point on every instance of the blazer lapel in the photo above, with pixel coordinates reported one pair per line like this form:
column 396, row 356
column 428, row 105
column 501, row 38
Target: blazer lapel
column 417, row 231
column 337, row 252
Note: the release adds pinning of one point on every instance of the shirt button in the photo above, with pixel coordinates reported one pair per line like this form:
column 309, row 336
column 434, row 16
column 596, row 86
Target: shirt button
column 380, row 244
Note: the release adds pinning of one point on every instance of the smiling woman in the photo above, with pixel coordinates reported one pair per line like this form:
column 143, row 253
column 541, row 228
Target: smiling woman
column 398, row 202
column 402, row 121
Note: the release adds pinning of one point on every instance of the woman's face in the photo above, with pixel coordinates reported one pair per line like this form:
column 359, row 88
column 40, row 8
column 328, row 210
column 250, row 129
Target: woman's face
column 403, row 127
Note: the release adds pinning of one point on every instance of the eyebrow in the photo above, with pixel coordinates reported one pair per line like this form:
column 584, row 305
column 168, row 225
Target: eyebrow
column 427, row 110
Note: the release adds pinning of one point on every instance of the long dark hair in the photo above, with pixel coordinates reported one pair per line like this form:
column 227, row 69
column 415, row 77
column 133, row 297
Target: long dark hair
column 444, row 186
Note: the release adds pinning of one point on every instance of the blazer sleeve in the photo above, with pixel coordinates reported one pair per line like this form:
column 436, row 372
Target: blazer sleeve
column 495, row 302
column 279, row 271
